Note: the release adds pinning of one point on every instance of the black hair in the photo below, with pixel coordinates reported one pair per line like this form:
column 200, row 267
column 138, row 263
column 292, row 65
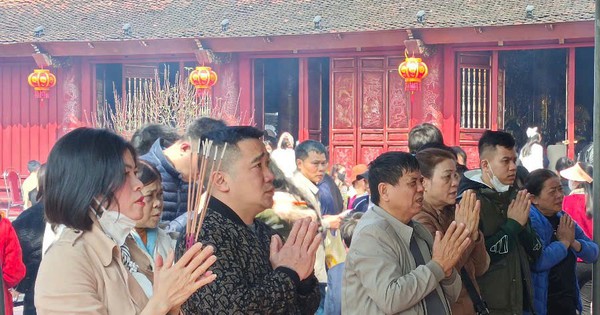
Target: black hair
column 143, row 138
column 429, row 158
column 33, row 165
column 563, row 163
column 458, row 151
column 490, row 139
column 147, row 173
column 232, row 136
column 587, row 189
column 348, row 226
column 199, row 127
column 304, row 148
column 534, row 182
column 83, row 165
column 389, row 168
column 41, row 176
column 422, row 134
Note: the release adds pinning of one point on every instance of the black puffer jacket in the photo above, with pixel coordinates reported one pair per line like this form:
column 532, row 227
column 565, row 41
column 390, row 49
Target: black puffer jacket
column 29, row 227
column 175, row 190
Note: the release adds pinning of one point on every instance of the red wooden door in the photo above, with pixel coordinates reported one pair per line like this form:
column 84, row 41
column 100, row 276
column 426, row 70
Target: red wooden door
column 369, row 109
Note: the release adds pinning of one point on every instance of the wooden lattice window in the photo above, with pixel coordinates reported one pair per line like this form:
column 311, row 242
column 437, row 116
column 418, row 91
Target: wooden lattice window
column 474, row 86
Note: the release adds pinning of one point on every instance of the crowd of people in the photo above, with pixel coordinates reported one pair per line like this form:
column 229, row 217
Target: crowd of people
column 285, row 232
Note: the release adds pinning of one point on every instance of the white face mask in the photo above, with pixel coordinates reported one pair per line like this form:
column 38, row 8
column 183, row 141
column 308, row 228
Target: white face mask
column 496, row 183
column 116, row 225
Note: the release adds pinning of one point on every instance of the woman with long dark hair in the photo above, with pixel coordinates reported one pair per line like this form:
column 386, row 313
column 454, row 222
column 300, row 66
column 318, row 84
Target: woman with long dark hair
column 532, row 153
column 554, row 273
column 91, row 189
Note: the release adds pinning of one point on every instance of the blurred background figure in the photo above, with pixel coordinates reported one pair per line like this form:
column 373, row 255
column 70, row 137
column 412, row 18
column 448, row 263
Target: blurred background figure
column 338, row 172
column 143, row 138
column 11, row 262
column 30, row 226
column 461, row 159
column 532, row 153
column 578, row 204
column 333, row 297
column 29, row 187
column 423, row 134
column 284, row 155
column 561, row 164
column 359, row 184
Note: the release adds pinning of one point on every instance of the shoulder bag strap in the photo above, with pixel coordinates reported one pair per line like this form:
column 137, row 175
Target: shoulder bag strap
column 478, row 302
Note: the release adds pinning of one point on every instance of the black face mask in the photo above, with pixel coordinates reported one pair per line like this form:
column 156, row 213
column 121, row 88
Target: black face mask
column 341, row 176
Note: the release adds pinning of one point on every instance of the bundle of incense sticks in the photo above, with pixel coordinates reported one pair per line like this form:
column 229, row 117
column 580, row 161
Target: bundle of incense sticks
column 206, row 156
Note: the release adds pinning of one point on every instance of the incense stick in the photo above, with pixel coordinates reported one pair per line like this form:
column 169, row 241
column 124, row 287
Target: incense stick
column 210, row 187
column 197, row 206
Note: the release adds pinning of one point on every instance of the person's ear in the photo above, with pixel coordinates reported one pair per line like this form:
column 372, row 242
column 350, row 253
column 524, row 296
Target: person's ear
column 427, row 183
column 184, row 146
column 534, row 199
column 383, row 192
column 220, row 181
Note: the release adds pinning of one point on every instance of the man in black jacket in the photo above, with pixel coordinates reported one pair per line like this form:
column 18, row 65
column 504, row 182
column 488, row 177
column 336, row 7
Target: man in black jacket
column 174, row 163
column 504, row 220
column 256, row 272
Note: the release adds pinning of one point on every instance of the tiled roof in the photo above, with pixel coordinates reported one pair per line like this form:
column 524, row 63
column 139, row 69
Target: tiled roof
column 101, row 20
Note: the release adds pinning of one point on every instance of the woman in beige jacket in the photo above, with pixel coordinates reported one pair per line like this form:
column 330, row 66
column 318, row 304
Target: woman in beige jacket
column 92, row 190
column 440, row 183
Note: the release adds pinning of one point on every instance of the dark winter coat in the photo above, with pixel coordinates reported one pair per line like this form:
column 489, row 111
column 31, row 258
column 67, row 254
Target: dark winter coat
column 175, row 189
column 246, row 282
column 506, row 286
column 30, row 226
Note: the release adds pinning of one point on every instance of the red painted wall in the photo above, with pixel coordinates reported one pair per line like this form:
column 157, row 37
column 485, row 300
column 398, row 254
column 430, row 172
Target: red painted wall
column 28, row 129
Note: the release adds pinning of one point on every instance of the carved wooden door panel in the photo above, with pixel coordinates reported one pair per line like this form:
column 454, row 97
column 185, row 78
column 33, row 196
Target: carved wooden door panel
column 369, row 109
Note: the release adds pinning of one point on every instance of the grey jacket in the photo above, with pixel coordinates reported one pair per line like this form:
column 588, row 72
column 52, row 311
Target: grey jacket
column 381, row 276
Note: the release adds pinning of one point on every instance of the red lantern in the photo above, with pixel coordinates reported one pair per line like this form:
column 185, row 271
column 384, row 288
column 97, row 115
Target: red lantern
column 413, row 70
column 41, row 80
column 203, row 78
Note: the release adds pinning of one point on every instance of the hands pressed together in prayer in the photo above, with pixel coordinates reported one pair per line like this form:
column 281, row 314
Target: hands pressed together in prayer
column 175, row 283
column 299, row 251
column 518, row 209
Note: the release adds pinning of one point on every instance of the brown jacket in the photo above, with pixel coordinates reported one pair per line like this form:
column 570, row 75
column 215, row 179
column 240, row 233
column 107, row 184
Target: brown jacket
column 475, row 259
column 82, row 273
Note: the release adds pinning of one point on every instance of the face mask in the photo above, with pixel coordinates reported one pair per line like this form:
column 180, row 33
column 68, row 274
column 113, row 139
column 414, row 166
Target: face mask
column 342, row 176
column 116, row 225
column 496, row 183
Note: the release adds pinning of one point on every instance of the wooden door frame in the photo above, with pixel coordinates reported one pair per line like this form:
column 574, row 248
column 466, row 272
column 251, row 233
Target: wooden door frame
column 451, row 53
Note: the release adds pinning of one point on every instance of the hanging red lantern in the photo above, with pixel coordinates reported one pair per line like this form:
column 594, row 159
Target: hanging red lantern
column 203, row 78
column 41, row 80
column 413, row 70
